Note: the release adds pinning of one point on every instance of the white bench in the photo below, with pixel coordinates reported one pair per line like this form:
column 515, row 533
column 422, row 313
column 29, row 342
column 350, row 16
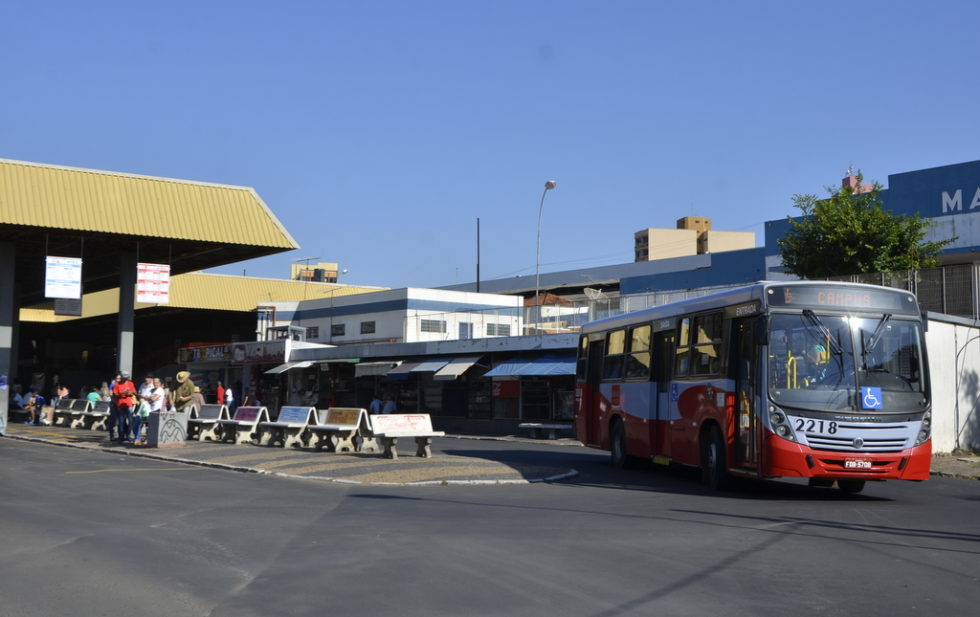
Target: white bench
column 94, row 417
column 243, row 426
column 202, row 424
column 289, row 428
column 550, row 429
column 388, row 428
column 343, row 429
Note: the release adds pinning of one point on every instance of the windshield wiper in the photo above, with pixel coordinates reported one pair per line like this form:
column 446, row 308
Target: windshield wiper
column 824, row 331
column 871, row 343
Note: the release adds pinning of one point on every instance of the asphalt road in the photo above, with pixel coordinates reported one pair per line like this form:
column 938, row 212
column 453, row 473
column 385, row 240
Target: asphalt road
column 87, row 533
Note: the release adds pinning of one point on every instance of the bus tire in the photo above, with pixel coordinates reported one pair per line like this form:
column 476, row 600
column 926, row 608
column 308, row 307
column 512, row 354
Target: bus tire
column 617, row 445
column 713, row 472
column 850, row 487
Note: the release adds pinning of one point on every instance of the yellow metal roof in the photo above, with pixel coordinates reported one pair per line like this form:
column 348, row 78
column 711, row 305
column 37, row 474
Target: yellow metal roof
column 200, row 290
column 50, row 196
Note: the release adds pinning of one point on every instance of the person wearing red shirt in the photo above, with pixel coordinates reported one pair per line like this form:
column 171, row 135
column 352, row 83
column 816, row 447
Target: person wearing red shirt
column 123, row 400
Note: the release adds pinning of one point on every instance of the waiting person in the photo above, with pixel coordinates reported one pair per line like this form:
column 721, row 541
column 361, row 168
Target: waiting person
column 35, row 403
column 123, row 400
column 184, row 393
column 93, row 396
column 219, row 397
column 197, row 400
column 389, row 406
column 230, row 399
column 151, row 395
column 375, row 406
column 137, row 418
column 17, row 400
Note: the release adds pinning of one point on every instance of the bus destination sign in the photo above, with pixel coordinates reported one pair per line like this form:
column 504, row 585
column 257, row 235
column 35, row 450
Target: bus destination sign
column 884, row 300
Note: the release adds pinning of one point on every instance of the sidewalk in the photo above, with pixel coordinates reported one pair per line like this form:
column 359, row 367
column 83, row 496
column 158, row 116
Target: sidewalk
column 363, row 468
column 963, row 465
column 355, row 468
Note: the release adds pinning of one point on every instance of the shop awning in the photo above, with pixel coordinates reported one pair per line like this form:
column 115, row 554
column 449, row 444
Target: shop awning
column 456, row 367
column 430, row 366
column 400, row 373
column 282, row 368
column 551, row 365
column 364, row 369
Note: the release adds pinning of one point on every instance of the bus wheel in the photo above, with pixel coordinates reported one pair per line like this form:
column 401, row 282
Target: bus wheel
column 850, row 487
column 617, row 449
column 713, row 458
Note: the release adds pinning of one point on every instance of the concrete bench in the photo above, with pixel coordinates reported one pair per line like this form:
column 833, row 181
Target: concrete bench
column 202, row 424
column 289, row 428
column 95, row 417
column 540, row 429
column 66, row 408
column 388, row 428
column 343, row 429
column 243, row 426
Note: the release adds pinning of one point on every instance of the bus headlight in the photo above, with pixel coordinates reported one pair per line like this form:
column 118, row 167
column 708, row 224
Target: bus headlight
column 925, row 431
column 780, row 424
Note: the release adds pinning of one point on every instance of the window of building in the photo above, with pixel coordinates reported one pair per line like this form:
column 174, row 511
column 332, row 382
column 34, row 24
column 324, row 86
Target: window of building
column 433, row 325
column 313, row 332
column 338, row 329
column 367, row 327
column 498, row 329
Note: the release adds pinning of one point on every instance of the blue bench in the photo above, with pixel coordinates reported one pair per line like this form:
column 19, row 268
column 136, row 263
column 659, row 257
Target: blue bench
column 288, row 429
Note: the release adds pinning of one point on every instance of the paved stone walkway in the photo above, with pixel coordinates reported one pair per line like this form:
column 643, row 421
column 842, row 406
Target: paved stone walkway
column 358, row 468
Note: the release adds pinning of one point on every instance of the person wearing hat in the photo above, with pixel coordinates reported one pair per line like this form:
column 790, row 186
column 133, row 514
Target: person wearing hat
column 184, row 395
column 197, row 400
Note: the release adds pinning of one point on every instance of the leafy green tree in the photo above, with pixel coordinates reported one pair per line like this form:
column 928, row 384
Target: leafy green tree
column 851, row 233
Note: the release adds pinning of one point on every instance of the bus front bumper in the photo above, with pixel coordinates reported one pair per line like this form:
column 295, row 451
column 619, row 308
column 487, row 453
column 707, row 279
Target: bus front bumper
column 790, row 459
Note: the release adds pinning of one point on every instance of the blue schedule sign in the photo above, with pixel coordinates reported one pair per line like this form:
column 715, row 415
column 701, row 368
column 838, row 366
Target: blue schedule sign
column 871, row 398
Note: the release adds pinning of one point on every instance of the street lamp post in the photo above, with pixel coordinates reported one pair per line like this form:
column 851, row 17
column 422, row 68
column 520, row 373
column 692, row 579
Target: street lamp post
column 550, row 184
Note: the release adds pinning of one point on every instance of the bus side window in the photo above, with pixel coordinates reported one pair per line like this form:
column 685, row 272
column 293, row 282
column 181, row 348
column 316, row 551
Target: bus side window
column 638, row 360
column 582, row 363
column 682, row 355
column 612, row 364
column 707, row 347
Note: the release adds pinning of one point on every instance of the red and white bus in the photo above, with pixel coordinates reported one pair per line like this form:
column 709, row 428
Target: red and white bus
column 820, row 380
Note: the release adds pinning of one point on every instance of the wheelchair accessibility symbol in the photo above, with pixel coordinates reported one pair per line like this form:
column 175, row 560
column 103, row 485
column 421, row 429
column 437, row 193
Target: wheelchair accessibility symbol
column 871, row 398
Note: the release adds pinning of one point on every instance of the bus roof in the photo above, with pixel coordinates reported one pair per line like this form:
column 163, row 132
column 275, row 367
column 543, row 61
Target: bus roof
column 754, row 292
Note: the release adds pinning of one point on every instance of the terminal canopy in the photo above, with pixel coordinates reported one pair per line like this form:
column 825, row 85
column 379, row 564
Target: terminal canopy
column 48, row 210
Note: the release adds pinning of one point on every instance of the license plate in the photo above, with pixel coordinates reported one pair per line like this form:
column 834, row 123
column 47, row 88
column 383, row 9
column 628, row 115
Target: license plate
column 857, row 463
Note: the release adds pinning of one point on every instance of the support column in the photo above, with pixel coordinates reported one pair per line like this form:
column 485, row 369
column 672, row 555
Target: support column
column 8, row 321
column 127, row 311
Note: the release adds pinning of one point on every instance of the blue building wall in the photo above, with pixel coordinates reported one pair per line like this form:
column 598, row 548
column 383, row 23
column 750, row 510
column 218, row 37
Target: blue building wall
column 728, row 268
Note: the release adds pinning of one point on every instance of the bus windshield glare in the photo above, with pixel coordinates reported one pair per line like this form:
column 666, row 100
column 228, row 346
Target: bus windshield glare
column 830, row 362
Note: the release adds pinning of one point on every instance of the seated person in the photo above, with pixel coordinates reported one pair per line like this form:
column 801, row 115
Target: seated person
column 35, row 403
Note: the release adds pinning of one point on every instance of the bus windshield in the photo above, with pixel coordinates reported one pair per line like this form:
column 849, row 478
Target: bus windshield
column 822, row 362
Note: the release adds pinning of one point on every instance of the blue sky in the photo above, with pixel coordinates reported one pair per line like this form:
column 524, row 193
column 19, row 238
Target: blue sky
column 379, row 131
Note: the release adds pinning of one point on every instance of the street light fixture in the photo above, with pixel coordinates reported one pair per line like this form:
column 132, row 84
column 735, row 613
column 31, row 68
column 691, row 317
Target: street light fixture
column 550, row 184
